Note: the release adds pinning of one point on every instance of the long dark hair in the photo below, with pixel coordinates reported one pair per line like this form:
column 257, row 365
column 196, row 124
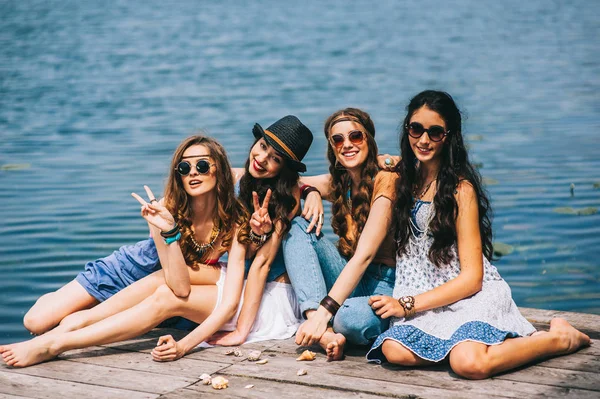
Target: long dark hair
column 340, row 180
column 455, row 166
column 282, row 198
column 177, row 201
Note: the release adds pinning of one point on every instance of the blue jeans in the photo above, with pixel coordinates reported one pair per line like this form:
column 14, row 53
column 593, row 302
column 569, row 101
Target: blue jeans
column 313, row 264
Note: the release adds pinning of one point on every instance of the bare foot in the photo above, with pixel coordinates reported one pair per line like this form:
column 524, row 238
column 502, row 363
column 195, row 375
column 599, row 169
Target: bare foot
column 572, row 338
column 333, row 343
column 28, row 353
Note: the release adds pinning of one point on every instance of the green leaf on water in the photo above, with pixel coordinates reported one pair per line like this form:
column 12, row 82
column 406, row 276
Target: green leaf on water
column 15, row 166
column 567, row 210
column 474, row 137
column 596, row 185
column 502, row 249
column 488, row 181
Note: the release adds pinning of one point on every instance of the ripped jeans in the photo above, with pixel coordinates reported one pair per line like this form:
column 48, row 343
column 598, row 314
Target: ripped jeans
column 313, row 265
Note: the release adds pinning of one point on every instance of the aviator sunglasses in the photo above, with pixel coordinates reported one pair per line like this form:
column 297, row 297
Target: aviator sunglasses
column 356, row 137
column 435, row 132
column 202, row 166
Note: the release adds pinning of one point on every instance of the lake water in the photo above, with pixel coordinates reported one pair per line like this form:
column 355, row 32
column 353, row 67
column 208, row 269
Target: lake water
column 95, row 96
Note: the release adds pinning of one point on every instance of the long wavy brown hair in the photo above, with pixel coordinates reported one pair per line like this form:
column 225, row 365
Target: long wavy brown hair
column 454, row 168
column 340, row 182
column 177, row 201
column 282, row 201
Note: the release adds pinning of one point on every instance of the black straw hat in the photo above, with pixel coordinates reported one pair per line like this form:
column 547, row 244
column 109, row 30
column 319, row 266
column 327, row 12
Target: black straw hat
column 289, row 137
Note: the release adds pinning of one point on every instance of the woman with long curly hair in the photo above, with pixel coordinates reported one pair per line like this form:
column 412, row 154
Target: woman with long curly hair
column 188, row 290
column 448, row 300
column 337, row 280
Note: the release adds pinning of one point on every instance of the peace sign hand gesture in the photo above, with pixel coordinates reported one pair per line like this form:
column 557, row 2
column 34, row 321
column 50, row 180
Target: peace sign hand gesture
column 155, row 212
column 260, row 222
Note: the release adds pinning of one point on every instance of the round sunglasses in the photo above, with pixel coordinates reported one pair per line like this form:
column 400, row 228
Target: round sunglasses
column 202, row 166
column 356, row 137
column 435, row 132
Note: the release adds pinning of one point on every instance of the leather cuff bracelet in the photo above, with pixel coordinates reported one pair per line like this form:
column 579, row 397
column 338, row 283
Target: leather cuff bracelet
column 330, row 305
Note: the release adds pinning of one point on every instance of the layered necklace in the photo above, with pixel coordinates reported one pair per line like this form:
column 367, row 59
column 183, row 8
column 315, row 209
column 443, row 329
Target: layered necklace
column 415, row 192
column 205, row 248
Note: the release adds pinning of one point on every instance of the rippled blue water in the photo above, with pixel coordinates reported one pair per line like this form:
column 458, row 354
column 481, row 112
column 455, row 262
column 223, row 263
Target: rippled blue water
column 95, row 96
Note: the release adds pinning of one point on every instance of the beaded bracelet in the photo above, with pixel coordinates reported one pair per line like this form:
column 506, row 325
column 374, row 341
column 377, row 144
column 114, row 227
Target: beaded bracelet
column 259, row 240
column 330, row 305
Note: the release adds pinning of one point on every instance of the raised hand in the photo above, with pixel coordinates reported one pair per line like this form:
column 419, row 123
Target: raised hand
column 260, row 222
column 313, row 211
column 155, row 212
column 167, row 349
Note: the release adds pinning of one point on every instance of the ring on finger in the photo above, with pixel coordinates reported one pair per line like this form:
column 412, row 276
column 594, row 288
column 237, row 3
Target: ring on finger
column 153, row 200
column 389, row 161
column 321, row 221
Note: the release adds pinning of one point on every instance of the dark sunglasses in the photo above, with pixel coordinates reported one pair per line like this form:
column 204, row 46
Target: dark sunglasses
column 356, row 137
column 202, row 166
column 435, row 132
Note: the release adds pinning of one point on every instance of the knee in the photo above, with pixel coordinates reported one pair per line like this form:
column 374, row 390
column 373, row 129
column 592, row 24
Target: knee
column 164, row 299
column 470, row 365
column 36, row 322
column 74, row 321
column 395, row 353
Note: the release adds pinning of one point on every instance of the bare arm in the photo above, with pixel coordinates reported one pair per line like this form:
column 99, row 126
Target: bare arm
column 470, row 256
column 171, row 259
column 168, row 349
column 255, row 286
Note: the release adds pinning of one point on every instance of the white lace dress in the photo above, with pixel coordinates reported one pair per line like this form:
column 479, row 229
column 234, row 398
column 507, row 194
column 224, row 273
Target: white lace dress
column 489, row 317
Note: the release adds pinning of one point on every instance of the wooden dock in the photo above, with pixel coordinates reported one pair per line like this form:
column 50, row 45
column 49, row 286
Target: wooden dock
column 126, row 370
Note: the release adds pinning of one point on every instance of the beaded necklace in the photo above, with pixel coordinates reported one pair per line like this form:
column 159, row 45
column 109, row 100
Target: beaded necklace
column 203, row 249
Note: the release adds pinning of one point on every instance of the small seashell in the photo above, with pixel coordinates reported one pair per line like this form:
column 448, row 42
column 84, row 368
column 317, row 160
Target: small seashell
column 307, row 355
column 237, row 352
column 254, row 355
column 230, row 351
column 302, row 372
column 206, row 379
column 264, row 361
column 249, row 386
column 220, row 382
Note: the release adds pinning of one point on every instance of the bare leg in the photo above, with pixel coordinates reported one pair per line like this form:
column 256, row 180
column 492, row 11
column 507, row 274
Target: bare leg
column 478, row 361
column 130, row 323
column 131, row 296
column 397, row 353
column 51, row 308
column 122, row 300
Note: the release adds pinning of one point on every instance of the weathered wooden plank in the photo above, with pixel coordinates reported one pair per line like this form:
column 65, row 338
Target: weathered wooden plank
column 107, row 376
column 391, row 380
column 118, row 359
column 14, row 384
column 556, row 377
column 575, row 362
column 588, row 323
column 264, row 389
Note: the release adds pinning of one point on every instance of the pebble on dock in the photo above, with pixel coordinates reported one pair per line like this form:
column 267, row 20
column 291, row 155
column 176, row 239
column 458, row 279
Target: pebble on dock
column 254, row 355
column 249, row 386
column 220, row 382
column 301, row 372
column 206, row 379
column 264, row 361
